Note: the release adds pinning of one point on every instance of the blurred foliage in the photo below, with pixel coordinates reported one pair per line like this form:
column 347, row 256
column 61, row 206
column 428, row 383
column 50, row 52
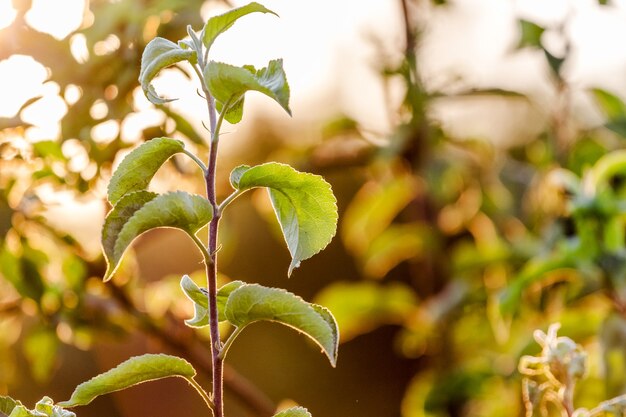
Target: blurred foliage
column 463, row 245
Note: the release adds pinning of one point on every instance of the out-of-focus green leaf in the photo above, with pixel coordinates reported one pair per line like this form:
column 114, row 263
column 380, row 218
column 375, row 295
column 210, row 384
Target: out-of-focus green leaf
column 252, row 302
column 555, row 62
column 304, row 205
column 40, row 348
column 23, row 270
column 50, row 148
column 531, row 34
column 610, row 165
column 138, row 167
column 618, row 126
column 532, row 272
column 178, row 210
column 217, row 25
column 397, row 243
column 228, row 84
column 159, row 54
column 183, row 126
column 361, row 307
column 134, row 371
column 612, row 106
column 373, row 209
column 294, row 412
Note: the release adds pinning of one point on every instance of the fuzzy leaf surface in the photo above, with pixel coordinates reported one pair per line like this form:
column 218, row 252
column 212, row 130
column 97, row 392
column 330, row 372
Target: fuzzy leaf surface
column 118, row 216
column 252, row 302
column 178, row 210
column 228, row 84
column 159, row 54
column 294, row 412
column 139, row 166
column 217, row 25
column 134, row 371
column 7, row 404
column 201, row 303
column 304, row 204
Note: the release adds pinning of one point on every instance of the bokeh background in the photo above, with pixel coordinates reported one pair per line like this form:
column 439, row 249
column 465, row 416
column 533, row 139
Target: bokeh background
column 475, row 148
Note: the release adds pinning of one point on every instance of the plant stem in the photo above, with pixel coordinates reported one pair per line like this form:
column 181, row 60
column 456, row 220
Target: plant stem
column 211, row 267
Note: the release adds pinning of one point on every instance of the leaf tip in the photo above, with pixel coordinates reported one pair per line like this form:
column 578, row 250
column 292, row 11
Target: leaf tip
column 293, row 265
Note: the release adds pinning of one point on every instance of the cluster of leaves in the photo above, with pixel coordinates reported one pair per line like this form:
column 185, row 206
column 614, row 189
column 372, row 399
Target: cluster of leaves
column 447, row 232
column 304, row 204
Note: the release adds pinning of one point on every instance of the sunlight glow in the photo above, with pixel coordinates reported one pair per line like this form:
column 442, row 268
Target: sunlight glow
column 45, row 16
column 21, row 78
column 7, row 13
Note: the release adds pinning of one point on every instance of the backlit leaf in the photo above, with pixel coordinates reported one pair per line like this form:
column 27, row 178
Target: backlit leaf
column 252, row 302
column 294, row 412
column 304, row 205
column 201, row 303
column 138, row 167
column 119, row 215
column 134, row 371
column 217, row 25
column 612, row 106
column 159, row 54
column 7, row 404
column 48, row 408
column 228, row 84
column 178, row 210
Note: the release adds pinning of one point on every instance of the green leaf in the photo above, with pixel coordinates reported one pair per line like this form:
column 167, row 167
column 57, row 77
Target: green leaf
column 138, row 167
column 201, row 303
column 217, row 25
column 252, row 302
column 178, row 210
column 531, row 34
column 294, row 412
column 40, row 348
column 304, row 205
column 159, row 54
column 228, row 84
column 612, row 106
column 47, row 407
column 373, row 209
column 222, row 297
column 607, row 167
column 118, row 216
column 555, row 62
column 7, row 404
column 618, row 126
column 361, row 307
column 134, row 371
